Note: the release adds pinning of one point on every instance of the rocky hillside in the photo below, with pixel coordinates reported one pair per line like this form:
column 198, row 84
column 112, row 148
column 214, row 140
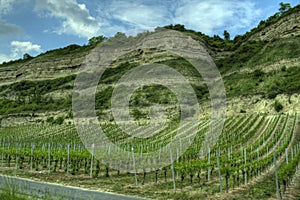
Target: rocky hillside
column 50, row 65
column 260, row 70
column 287, row 26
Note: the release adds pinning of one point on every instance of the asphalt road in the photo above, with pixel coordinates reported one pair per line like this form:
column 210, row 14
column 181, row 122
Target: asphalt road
column 54, row 191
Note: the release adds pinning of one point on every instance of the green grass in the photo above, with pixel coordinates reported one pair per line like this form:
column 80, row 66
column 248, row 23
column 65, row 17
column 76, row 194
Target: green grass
column 11, row 193
column 8, row 195
column 256, row 53
column 269, row 85
column 241, row 56
column 274, row 51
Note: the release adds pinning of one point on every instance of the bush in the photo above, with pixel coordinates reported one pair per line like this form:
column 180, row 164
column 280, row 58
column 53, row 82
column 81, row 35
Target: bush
column 242, row 111
column 59, row 120
column 278, row 106
column 50, row 120
column 258, row 73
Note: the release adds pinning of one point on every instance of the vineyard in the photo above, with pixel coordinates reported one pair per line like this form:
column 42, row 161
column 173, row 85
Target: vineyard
column 256, row 156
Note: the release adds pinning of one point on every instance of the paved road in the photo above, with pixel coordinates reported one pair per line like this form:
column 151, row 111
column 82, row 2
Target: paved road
column 54, row 191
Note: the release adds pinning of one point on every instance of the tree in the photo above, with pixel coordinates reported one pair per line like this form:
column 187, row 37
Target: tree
column 216, row 37
column 284, row 7
column 169, row 26
column 96, row 40
column 226, row 35
column 179, row 27
column 26, row 56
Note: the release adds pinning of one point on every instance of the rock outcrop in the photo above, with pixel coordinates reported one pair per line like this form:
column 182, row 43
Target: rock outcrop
column 288, row 26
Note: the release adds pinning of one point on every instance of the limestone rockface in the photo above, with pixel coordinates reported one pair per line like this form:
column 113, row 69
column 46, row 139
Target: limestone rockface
column 38, row 69
column 286, row 27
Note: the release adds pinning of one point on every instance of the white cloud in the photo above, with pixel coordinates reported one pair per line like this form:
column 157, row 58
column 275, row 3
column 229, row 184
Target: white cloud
column 134, row 16
column 76, row 19
column 6, row 6
column 211, row 16
column 8, row 57
column 205, row 16
column 17, row 49
column 138, row 13
column 5, row 58
column 131, row 17
column 25, row 47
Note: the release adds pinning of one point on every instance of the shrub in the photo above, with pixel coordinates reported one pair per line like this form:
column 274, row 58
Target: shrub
column 59, row 120
column 242, row 111
column 50, row 120
column 258, row 73
column 278, row 106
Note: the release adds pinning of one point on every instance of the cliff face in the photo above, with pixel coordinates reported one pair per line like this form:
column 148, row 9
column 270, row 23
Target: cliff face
column 288, row 26
column 45, row 68
column 39, row 69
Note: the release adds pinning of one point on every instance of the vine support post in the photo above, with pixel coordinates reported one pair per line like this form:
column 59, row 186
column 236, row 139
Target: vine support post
column 292, row 152
column 208, row 169
column 17, row 157
column 180, row 146
column 92, row 160
column 172, row 166
column 2, row 154
column 245, row 162
column 43, row 148
column 134, row 168
column 49, row 158
column 159, row 155
column 31, row 157
column 219, row 169
column 286, row 156
column 68, row 158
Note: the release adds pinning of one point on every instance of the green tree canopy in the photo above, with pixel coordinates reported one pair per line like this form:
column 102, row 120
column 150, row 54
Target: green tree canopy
column 284, row 7
column 226, row 35
column 96, row 40
column 26, row 56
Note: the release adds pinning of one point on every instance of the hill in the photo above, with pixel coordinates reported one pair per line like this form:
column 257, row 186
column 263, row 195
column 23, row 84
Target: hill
column 260, row 70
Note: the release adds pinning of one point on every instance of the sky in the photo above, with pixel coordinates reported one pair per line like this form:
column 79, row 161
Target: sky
column 35, row 26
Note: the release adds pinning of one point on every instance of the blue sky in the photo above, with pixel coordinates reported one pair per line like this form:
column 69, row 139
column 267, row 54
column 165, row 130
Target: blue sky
column 35, row 26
